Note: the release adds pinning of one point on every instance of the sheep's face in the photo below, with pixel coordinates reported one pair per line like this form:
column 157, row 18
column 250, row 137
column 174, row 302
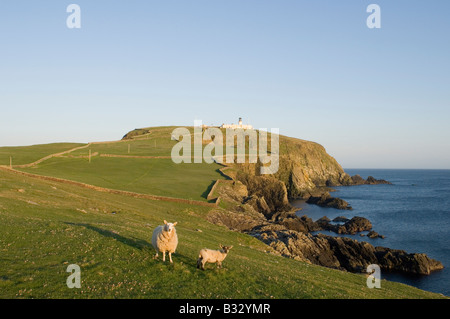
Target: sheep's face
column 226, row 249
column 169, row 227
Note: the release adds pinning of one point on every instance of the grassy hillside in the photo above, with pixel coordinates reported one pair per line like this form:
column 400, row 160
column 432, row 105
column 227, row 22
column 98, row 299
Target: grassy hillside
column 142, row 163
column 155, row 143
column 147, row 176
column 28, row 154
column 45, row 226
column 156, row 176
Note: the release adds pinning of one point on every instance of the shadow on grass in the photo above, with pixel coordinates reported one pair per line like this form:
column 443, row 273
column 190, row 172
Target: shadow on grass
column 178, row 260
column 206, row 192
column 133, row 242
column 144, row 246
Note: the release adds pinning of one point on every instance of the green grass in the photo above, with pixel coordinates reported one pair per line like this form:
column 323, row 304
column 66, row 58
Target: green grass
column 45, row 226
column 148, row 176
column 156, row 176
column 29, row 154
column 156, row 143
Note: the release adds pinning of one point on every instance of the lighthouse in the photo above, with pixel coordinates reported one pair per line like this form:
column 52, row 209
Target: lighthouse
column 237, row 126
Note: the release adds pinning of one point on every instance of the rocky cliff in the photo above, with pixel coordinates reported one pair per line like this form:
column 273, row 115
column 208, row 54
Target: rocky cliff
column 307, row 171
column 306, row 166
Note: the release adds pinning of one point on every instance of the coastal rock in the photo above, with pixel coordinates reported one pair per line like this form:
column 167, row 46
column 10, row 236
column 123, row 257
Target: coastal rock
column 344, row 253
column 298, row 244
column 306, row 170
column 323, row 222
column 272, row 193
column 372, row 181
column 340, row 219
column 358, row 180
column 301, row 224
column 290, row 236
column 374, row 234
column 309, row 223
column 326, row 200
column 353, row 256
column 399, row 260
column 258, row 203
column 237, row 221
column 355, row 225
column 351, row 226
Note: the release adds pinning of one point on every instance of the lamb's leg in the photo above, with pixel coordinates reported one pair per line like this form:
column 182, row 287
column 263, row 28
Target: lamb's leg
column 201, row 263
column 164, row 256
column 170, row 257
column 219, row 264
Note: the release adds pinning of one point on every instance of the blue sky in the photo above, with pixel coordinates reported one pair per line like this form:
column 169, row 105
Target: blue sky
column 374, row 98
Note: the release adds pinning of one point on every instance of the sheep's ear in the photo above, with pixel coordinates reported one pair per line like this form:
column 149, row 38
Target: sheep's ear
column 230, row 247
column 165, row 222
column 220, row 245
column 175, row 223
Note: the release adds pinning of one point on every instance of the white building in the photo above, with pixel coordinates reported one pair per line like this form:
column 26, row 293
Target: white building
column 239, row 125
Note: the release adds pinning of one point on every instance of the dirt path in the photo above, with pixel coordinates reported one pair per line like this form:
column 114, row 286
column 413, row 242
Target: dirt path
column 133, row 156
column 52, row 155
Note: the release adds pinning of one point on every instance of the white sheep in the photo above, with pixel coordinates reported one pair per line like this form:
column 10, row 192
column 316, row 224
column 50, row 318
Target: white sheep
column 165, row 239
column 212, row 256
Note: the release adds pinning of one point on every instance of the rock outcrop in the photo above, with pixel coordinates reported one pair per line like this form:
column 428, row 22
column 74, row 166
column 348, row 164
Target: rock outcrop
column 340, row 219
column 374, row 234
column 266, row 194
column 350, row 226
column 306, row 166
column 399, row 260
column 326, row 200
column 341, row 252
column 135, row 133
column 358, row 180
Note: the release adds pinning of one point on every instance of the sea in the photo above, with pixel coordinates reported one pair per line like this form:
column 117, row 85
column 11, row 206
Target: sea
column 413, row 214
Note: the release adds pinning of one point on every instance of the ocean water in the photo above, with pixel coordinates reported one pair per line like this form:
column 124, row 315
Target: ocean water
column 413, row 214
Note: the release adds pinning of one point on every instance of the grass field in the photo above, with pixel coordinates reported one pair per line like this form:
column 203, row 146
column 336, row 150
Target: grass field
column 45, row 226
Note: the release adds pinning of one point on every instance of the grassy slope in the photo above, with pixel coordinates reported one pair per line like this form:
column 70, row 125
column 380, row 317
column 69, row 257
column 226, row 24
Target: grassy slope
column 45, row 226
column 28, row 154
column 149, row 176
column 156, row 176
